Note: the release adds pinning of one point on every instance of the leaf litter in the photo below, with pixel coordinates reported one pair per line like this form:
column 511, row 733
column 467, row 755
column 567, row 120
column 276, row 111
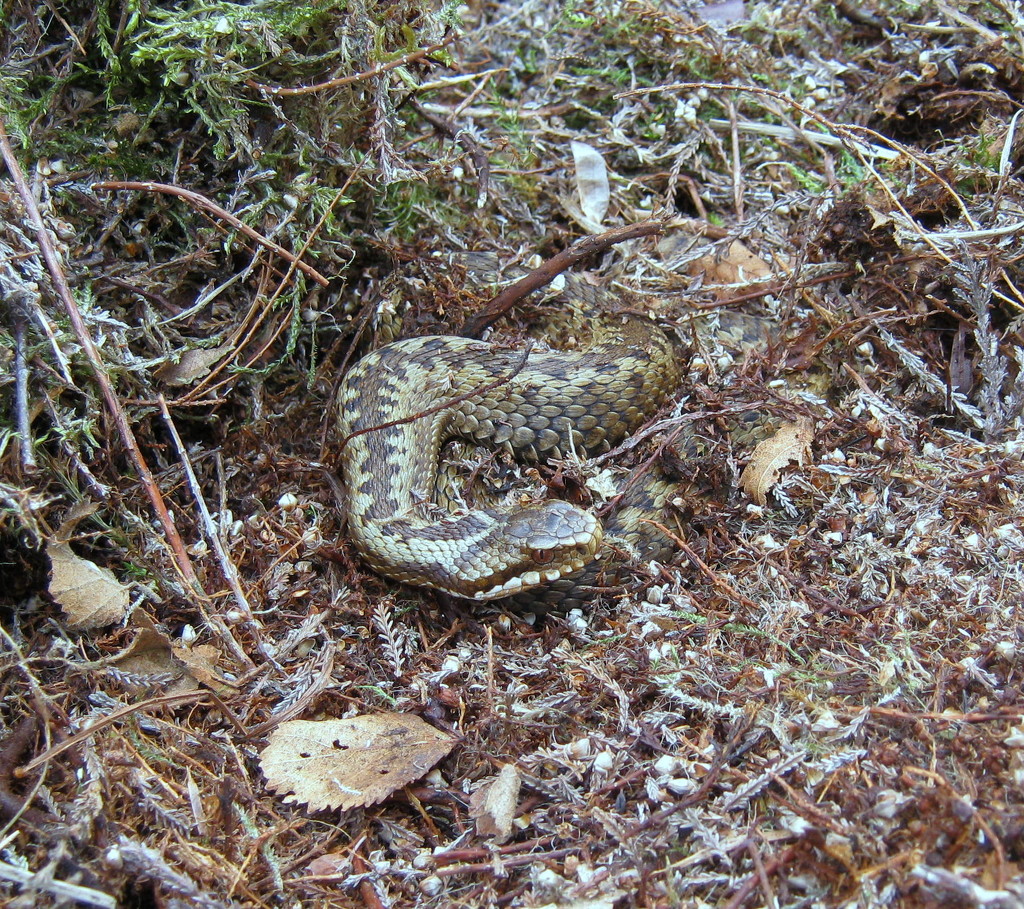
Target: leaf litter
column 791, row 444
column 812, row 703
column 350, row 763
column 90, row 595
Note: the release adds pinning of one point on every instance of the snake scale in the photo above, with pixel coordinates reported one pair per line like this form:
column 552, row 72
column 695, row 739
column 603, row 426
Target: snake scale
column 399, row 406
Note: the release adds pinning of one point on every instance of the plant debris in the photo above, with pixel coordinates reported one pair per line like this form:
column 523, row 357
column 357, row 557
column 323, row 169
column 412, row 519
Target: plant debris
column 211, row 210
column 493, row 805
column 90, row 595
column 792, row 443
column 350, row 763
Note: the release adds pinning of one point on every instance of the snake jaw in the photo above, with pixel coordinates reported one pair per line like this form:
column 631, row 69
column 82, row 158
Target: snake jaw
column 529, row 580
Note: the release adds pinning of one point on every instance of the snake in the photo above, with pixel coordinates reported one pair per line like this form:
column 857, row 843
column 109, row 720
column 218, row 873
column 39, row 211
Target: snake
column 400, row 405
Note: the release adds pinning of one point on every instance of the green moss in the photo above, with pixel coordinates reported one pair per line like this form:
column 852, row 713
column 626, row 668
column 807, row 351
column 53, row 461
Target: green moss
column 806, row 180
column 850, row 171
column 520, row 140
column 573, row 15
column 983, row 153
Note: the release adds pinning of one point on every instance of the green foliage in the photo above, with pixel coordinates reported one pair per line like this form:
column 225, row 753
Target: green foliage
column 572, row 15
column 15, row 108
column 983, row 152
column 450, row 14
column 406, row 206
column 631, row 50
column 204, row 51
column 851, row 172
column 26, row 94
column 806, row 180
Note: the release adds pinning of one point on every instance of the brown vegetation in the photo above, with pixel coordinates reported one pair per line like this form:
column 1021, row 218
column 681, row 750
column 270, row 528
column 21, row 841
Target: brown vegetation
column 210, row 209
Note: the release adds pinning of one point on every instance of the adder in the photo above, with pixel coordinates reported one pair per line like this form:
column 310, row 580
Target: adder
column 399, row 406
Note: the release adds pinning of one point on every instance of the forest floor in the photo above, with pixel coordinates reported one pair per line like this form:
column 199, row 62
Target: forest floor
column 211, row 210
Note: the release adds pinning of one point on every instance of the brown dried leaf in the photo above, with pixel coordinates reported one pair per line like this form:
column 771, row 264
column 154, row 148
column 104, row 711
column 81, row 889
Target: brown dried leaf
column 791, row 443
column 89, row 594
column 149, row 654
column 330, row 865
column 201, row 662
column 191, row 365
column 77, row 513
column 152, row 653
column 350, row 763
column 494, row 804
column 738, row 266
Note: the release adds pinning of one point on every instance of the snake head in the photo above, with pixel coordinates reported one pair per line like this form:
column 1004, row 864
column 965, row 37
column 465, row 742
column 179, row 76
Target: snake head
column 540, row 544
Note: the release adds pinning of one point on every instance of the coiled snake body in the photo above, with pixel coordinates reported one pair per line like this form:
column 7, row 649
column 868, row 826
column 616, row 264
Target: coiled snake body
column 399, row 406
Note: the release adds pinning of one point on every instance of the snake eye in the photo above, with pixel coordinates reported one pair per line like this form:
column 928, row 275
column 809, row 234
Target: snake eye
column 542, row 556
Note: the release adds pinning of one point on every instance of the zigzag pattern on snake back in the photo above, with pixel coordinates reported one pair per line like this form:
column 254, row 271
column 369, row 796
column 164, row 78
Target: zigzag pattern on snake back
column 553, row 404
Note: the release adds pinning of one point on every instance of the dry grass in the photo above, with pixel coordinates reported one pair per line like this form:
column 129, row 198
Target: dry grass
column 815, row 703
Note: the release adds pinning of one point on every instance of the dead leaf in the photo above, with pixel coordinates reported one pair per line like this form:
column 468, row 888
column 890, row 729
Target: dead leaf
column 89, row 594
column 153, row 654
column 201, row 662
column 880, row 219
column 494, row 804
column 77, row 513
column 791, row 443
column 591, row 184
column 330, row 865
column 191, row 365
column 350, row 763
column 149, row 654
column 738, row 266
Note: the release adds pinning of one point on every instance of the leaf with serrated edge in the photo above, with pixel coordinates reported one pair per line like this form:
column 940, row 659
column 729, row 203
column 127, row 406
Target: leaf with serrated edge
column 791, row 443
column 353, row 762
column 88, row 593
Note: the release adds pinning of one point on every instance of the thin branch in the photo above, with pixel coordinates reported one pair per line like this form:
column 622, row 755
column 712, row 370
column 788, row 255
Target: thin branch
column 227, row 566
column 762, row 876
column 201, row 203
column 737, row 164
column 450, row 129
column 61, row 890
column 163, row 700
column 850, row 133
column 63, row 290
column 48, row 723
column 702, row 566
column 975, row 814
column 752, row 882
column 305, row 698
column 710, row 780
column 359, row 326
column 15, row 808
column 281, row 92
column 24, row 424
column 546, row 273
column 495, row 867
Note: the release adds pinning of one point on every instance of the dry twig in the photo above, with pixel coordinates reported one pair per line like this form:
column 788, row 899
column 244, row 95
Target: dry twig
column 227, row 565
column 546, row 273
column 201, row 203
column 60, row 285
column 404, row 60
